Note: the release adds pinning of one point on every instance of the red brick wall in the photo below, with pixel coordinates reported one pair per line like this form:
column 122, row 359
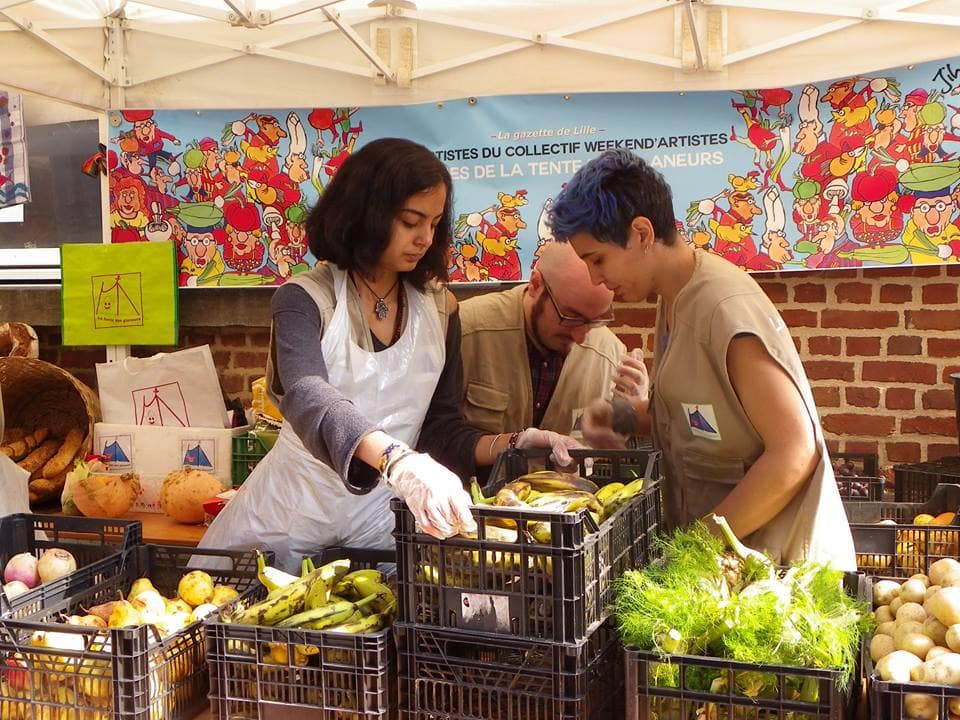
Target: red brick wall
column 878, row 347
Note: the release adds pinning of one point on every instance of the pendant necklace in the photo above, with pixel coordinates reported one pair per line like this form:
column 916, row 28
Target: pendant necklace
column 380, row 308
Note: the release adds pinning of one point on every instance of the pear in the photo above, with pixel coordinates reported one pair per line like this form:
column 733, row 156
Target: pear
column 222, row 594
column 104, row 610
column 178, row 605
column 141, row 585
column 196, row 588
column 173, row 622
column 124, row 615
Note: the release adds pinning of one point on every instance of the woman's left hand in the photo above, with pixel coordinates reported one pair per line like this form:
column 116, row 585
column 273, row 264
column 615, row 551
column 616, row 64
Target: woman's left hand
column 558, row 444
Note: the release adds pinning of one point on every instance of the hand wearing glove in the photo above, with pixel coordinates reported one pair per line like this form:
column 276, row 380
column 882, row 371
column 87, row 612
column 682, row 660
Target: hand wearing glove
column 558, row 444
column 631, row 378
column 434, row 495
column 598, row 423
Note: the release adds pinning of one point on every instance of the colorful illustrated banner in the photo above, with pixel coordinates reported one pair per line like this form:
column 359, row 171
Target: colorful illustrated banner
column 14, row 174
column 119, row 294
column 858, row 172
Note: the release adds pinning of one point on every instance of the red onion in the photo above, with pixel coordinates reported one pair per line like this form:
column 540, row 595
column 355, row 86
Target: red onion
column 55, row 563
column 14, row 588
column 22, row 567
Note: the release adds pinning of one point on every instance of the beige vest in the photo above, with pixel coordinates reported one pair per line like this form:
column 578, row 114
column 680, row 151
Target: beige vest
column 318, row 283
column 707, row 440
column 498, row 389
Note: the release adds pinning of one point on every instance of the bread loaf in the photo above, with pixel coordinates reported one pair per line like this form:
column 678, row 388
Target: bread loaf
column 64, row 455
column 33, row 462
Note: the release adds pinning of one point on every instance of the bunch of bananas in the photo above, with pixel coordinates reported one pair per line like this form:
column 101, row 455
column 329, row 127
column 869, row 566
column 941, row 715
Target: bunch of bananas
column 329, row 598
column 556, row 492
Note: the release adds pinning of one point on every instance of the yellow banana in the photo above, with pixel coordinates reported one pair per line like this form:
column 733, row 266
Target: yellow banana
column 384, row 600
column 276, row 653
column 495, row 533
column 326, row 616
column 302, row 654
column 317, row 595
column 552, row 480
column 369, row 624
column 288, row 601
column 604, row 494
column 540, row 531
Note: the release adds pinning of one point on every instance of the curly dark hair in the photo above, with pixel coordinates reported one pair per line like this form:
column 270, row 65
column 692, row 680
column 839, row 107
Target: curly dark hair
column 350, row 225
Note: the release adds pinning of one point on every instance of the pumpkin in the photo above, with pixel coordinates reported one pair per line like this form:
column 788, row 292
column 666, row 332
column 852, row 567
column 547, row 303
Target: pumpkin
column 107, row 495
column 185, row 490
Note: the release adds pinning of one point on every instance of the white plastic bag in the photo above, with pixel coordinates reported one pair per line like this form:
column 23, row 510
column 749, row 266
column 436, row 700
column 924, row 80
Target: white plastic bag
column 178, row 389
column 14, row 494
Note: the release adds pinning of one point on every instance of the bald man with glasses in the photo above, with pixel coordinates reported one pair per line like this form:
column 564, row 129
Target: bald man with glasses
column 536, row 354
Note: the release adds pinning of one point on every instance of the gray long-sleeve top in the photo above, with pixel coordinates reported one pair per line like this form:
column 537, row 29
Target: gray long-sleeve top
column 328, row 423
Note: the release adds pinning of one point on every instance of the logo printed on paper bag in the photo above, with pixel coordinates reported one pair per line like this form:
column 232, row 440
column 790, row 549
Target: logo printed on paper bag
column 702, row 421
column 199, row 453
column 118, row 449
column 160, row 405
column 117, row 300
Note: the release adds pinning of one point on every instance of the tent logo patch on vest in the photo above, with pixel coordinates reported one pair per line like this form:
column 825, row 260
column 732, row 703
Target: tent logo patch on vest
column 702, row 421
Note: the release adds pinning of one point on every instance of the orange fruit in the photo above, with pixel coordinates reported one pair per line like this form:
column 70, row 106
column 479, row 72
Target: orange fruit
column 944, row 518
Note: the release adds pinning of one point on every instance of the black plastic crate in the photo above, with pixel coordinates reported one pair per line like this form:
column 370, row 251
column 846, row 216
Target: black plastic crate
column 352, row 676
column 99, row 546
column 857, row 476
column 124, row 673
column 558, row 591
column 694, row 687
column 462, row 676
column 898, row 549
column 914, row 482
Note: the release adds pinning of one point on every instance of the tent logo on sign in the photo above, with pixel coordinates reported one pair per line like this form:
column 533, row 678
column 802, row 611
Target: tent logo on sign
column 199, row 453
column 118, row 450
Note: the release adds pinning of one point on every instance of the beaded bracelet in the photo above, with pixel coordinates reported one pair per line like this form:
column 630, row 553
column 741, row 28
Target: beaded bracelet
column 386, row 453
column 513, row 441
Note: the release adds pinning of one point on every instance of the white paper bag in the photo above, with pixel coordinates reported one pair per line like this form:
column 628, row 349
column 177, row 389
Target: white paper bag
column 178, row 389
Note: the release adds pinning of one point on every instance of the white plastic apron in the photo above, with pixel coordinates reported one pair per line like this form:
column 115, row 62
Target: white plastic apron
column 294, row 504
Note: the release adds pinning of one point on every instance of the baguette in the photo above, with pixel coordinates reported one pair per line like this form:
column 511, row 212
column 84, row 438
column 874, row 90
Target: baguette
column 11, row 435
column 46, row 488
column 19, row 448
column 38, row 458
column 61, row 460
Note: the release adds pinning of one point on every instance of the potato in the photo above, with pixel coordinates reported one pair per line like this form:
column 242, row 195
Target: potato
column 941, row 568
column 904, row 629
column 935, row 630
column 945, row 606
column 896, row 666
column 916, row 643
column 937, row 650
column 931, row 591
column 922, row 578
column 895, row 605
column 882, row 614
column 913, row 591
column 917, row 706
column 910, row 611
column 951, row 579
column 884, row 591
column 881, row 646
column 952, row 638
column 886, row 628
column 942, row 670
column 953, row 704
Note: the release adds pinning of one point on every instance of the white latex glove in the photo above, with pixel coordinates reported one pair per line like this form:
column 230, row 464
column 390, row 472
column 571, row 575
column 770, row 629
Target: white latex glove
column 631, row 378
column 558, row 444
column 434, row 495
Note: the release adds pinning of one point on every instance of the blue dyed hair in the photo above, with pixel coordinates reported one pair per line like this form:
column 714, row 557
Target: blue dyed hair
column 606, row 194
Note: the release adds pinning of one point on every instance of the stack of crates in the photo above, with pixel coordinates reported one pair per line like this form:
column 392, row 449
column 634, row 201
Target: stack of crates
column 519, row 630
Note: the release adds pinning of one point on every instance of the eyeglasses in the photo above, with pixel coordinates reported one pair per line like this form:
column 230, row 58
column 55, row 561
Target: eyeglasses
column 568, row 321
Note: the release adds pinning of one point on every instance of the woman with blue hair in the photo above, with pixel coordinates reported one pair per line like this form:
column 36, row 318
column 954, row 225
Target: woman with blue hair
column 729, row 405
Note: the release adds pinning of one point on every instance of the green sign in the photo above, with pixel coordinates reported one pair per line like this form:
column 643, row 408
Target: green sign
column 119, row 294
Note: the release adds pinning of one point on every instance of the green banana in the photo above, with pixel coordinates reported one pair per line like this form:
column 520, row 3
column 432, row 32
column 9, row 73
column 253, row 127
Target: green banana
column 326, row 616
column 476, row 494
column 552, row 480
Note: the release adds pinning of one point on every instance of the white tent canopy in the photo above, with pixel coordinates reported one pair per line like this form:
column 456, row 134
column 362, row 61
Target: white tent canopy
column 96, row 54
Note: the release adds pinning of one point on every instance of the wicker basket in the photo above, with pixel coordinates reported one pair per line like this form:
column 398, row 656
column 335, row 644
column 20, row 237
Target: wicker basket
column 38, row 394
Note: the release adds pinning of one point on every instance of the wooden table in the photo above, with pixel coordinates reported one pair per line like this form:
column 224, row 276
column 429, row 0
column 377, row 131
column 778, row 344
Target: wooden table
column 160, row 529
